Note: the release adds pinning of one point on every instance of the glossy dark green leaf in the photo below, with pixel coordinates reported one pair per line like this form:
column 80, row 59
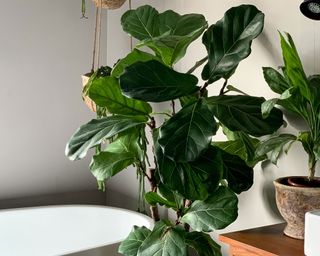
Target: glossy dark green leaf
column 164, row 240
column 133, row 57
column 153, row 199
column 294, row 67
column 153, row 81
column 92, row 133
column 168, row 34
column 131, row 245
column 238, row 174
column 229, row 41
column 188, row 133
column 203, row 244
column 105, row 92
column 243, row 113
column 275, row 145
column 275, row 80
column 216, row 212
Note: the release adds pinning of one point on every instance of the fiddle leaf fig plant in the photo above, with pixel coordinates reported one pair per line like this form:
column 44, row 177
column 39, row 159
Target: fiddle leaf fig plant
column 299, row 95
column 192, row 174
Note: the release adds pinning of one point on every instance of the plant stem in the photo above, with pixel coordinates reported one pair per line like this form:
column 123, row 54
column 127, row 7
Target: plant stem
column 173, row 105
column 203, row 89
column 154, row 209
column 312, row 167
column 198, row 64
column 223, row 87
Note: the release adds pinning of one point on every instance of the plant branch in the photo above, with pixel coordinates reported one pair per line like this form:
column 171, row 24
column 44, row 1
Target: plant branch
column 154, row 209
column 203, row 89
column 173, row 105
column 198, row 64
column 223, row 87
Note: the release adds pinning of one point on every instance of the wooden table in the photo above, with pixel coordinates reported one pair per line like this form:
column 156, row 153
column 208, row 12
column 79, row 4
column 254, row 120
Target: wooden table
column 263, row 241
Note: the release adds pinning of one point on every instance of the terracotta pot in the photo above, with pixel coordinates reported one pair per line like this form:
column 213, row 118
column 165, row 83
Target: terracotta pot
column 91, row 105
column 109, row 4
column 293, row 202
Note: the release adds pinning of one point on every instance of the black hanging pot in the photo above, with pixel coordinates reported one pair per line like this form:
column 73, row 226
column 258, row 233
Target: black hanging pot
column 311, row 9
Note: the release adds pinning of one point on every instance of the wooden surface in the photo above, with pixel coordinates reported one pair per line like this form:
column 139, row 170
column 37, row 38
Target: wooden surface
column 264, row 241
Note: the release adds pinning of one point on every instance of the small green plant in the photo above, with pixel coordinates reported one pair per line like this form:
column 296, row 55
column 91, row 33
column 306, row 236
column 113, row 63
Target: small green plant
column 300, row 95
column 193, row 175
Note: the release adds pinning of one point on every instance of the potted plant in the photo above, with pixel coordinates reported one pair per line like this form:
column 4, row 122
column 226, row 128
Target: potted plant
column 299, row 95
column 198, row 178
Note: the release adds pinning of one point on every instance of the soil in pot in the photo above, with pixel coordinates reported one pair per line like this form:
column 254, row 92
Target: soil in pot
column 294, row 201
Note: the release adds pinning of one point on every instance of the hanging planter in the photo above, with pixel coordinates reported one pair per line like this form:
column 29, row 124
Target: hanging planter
column 109, row 4
column 91, row 105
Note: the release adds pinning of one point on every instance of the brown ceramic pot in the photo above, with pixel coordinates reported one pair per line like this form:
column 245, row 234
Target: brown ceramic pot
column 294, row 201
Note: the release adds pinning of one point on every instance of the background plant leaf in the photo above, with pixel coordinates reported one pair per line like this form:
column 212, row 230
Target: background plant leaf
column 203, row 244
column 229, row 41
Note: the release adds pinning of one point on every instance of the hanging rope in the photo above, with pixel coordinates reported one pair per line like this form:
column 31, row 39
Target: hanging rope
column 97, row 40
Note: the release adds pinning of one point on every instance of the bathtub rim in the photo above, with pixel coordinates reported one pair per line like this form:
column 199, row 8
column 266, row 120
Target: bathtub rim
column 147, row 218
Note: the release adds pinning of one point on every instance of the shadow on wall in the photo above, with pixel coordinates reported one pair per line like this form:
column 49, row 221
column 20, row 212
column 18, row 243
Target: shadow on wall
column 268, row 190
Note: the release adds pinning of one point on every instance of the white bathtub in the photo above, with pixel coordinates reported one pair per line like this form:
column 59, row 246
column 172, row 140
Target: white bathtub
column 66, row 230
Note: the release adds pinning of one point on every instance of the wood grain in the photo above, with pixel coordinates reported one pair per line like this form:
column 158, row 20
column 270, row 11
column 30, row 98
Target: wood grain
column 264, row 241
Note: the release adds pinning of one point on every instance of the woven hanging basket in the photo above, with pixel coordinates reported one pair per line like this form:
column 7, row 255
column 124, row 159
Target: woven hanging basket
column 91, row 105
column 109, row 4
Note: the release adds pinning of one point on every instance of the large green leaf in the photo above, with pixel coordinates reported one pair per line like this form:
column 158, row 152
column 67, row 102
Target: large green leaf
column 130, row 59
column 294, row 67
column 229, row 41
column 168, row 34
column 243, row 113
column 238, row 174
column 153, row 199
column 92, row 133
column 216, row 212
column 131, row 245
column 193, row 180
column 153, row 81
column 164, row 240
column 275, row 80
column 105, row 92
column 275, row 145
column 188, row 133
column 203, row 244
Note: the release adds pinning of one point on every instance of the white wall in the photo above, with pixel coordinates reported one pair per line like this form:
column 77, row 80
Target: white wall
column 44, row 48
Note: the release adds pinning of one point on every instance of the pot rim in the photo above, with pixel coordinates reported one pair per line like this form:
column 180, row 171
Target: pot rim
column 277, row 183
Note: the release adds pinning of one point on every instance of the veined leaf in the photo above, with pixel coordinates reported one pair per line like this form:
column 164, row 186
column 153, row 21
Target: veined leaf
column 133, row 57
column 105, row 92
column 168, row 34
column 229, row 41
column 131, row 245
column 188, row 133
column 107, row 164
column 164, row 240
column 203, row 244
column 243, row 113
column 216, row 212
column 153, row 81
column 92, row 133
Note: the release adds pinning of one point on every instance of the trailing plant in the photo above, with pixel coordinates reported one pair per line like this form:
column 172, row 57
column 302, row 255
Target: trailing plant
column 194, row 176
column 299, row 94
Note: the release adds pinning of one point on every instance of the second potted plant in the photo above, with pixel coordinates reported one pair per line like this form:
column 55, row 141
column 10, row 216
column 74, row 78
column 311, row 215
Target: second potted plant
column 299, row 95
